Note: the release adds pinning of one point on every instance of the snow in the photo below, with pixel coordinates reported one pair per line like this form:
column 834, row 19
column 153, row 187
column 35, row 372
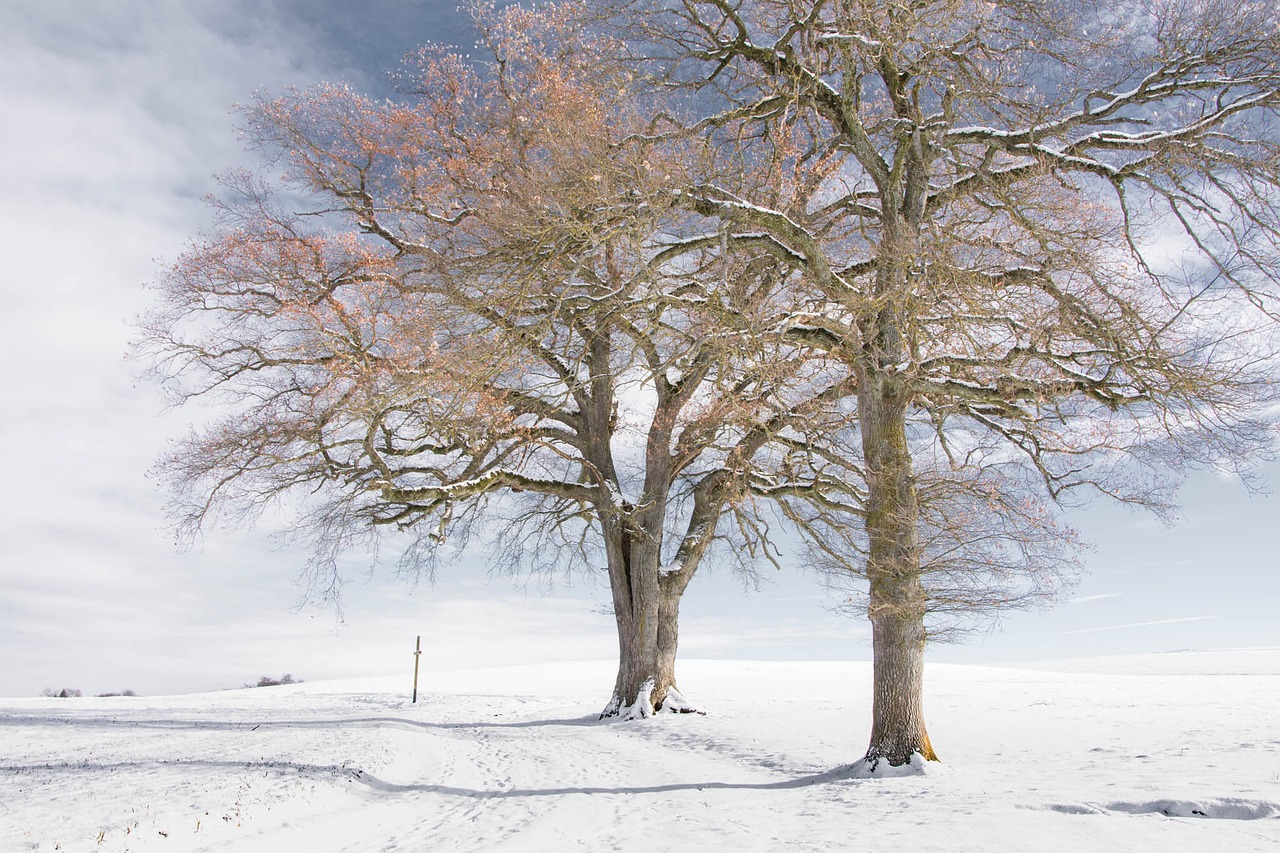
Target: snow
column 1177, row 752
column 676, row 703
column 881, row 769
column 642, row 708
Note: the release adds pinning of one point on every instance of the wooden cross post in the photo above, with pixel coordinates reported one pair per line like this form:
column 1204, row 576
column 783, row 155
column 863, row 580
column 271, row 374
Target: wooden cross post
column 417, row 654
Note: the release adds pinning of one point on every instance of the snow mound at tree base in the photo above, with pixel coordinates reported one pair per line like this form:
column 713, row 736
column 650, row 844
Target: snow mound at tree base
column 643, row 708
column 880, row 768
column 676, row 703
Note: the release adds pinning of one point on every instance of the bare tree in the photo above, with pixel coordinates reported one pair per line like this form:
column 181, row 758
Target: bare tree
column 1041, row 235
column 474, row 307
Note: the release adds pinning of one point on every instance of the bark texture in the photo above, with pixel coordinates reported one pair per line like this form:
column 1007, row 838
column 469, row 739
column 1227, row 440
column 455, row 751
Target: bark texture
column 646, row 603
column 897, row 603
column 640, row 685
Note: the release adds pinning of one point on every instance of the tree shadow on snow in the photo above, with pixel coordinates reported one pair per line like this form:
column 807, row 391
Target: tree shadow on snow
column 337, row 772
column 255, row 725
column 449, row 790
column 355, row 774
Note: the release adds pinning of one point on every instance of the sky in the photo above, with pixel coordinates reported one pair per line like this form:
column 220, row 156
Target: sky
column 117, row 118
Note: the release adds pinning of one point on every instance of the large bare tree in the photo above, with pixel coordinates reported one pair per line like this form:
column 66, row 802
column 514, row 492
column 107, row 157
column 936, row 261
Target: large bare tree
column 1041, row 235
column 473, row 304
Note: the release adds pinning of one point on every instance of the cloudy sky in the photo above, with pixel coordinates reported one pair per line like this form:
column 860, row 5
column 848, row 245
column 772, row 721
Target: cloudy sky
column 117, row 116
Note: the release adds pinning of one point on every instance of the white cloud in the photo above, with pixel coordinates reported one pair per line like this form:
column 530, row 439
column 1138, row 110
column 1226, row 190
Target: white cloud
column 117, row 117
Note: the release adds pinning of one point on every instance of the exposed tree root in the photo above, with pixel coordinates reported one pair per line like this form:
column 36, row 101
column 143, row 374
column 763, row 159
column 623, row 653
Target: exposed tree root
column 643, row 708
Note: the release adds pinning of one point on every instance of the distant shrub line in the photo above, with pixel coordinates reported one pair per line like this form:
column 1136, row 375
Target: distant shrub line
column 73, row 693
column 268, row 681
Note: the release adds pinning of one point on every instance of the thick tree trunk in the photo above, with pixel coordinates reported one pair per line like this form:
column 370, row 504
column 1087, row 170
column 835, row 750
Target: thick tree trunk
column 897, row 600
column 646, row 597
column 897, row 715
column 635, row 612
column 647, row 642
column 647, row 613
column 636, row 685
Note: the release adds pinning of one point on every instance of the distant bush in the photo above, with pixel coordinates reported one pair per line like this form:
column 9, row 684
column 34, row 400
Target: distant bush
column 64, row 693
column 268, row 681
column 121, row 693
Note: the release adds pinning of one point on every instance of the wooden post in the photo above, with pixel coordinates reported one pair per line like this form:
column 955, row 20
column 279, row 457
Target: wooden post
column 417, row 654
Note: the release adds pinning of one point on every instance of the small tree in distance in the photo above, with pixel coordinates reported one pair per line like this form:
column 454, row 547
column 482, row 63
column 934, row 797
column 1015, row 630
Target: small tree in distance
column 1042, row 236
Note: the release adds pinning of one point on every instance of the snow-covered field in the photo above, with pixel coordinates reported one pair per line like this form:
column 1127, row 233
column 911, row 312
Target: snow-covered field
column 1167, row 753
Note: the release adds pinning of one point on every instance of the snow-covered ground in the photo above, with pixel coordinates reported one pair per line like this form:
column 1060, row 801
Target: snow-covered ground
column 1168, row 753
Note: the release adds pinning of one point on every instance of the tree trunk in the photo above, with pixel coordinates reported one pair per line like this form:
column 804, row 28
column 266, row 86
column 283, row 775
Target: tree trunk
column 635, row 688
column 897, row 600
column 647, row 642
column 647, row 612
column 897, row 712
column 646, row 598
column 666, row 696
column 668, row 640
